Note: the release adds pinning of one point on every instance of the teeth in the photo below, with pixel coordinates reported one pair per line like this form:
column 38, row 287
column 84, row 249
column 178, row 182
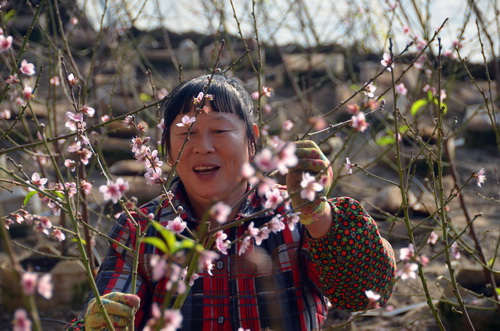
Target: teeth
column 203, row 168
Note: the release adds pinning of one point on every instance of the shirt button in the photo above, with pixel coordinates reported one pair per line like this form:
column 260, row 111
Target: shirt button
column 220, row 319
column 220, row 265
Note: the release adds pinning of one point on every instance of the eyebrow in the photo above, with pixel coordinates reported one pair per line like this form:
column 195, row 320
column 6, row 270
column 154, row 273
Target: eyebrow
column 220, row 117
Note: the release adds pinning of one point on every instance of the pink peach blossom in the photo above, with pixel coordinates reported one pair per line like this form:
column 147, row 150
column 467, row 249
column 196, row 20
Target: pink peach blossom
column 21, row 321
column 28, row 282
column 387, row 61
column 359, row 122
column 186, row 120
column 5, row 43
column 309, row 187
column 176, row 225
column 27, row 68
column 220, row 212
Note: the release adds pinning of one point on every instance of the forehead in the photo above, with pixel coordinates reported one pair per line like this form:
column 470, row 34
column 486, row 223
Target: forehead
column 213, row 117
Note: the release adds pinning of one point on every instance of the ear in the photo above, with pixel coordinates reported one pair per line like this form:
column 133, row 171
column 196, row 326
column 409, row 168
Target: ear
column 255, row 129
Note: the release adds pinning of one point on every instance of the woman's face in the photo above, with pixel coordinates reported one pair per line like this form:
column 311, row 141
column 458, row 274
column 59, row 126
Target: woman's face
column 211, row 162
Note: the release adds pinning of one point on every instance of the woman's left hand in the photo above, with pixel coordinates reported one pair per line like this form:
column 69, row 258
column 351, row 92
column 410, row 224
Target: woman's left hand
column 312, row 161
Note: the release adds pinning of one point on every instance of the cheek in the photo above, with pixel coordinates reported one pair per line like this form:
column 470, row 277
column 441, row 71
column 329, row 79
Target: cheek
column 240, row 153
column 173, row 152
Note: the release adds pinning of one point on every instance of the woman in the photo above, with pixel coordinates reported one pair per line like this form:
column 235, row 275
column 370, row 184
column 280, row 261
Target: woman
column 334, row 253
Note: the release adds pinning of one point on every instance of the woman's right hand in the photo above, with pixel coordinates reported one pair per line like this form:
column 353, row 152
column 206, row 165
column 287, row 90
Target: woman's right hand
column 121, row 307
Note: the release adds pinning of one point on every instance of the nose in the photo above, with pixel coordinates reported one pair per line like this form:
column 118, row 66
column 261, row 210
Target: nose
column 203, row 143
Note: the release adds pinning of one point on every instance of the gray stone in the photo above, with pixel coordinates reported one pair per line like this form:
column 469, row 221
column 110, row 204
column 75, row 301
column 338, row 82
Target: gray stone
column 188, row 54
column 479, row 130
column 331, row 62
column 389, row 199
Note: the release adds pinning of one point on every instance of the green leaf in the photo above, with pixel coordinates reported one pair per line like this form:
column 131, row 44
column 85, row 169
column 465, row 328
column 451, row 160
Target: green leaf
column 403, row 128
column 498, row 290
column 145, row 97
column 443, row 105
column 160, row 149
column 157, row 242
column 415, row 107
column 184, row 244
column 9, row 15
column 75, row 240
column 28, row 197
column 385, row 140
column 169, row 244
column 168, row 235
column 59, row 194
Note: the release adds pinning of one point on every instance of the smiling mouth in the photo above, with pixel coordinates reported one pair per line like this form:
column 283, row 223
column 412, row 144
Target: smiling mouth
column 204, row 170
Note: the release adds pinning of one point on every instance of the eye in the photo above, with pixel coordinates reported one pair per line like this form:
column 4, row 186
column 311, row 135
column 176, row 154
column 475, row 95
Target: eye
column 185, row 133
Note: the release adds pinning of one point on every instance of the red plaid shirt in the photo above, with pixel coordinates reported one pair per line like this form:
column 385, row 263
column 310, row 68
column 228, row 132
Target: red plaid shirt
column 278, row 285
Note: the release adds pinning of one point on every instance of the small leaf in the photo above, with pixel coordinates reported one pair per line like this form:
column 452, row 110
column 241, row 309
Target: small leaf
column 443, row 105
column 28, row 197
column 144, row 97
column 9, row 15
column 403, row 128
column 184, row 244
column 168, row 235
column 75, row 240
column 59, row 194
column 156, row 242
column 385, row 140
column 417, row 105
column 160, row 149
column 497, row 290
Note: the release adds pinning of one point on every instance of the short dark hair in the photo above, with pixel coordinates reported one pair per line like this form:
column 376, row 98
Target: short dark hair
column 229, row 97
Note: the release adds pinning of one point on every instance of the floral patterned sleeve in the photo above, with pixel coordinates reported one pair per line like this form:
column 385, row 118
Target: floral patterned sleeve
column 353, row 258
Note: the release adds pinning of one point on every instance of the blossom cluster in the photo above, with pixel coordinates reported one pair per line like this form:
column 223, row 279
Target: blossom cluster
column 279, row 156
column 143, row 153
column 80, row 147
column 266, row 91
column 172, row 319
column 26, row 91
column 198, row 101
column 42, row 224
column 114, row 190
column 410, row 262
column 51, row 196
column 31, row 283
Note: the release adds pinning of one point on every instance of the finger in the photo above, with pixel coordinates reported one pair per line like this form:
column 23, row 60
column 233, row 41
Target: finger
column 308, row 149
column 128, row 299
column 310, row 165
column 97, row 321
column 309, row 153
column 113, row 308
column 305, row 144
